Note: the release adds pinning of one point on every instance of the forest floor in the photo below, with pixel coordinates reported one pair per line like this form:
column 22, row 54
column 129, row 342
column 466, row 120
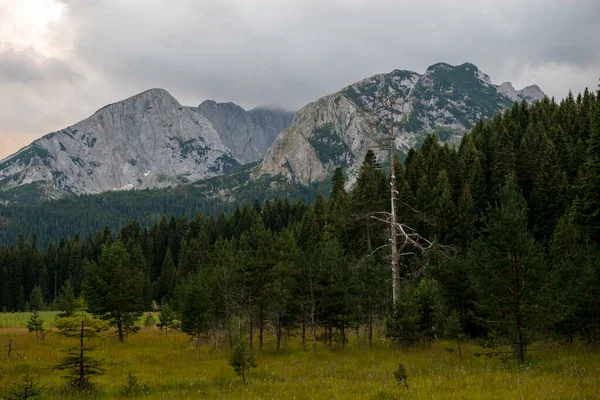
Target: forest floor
column 171, row 368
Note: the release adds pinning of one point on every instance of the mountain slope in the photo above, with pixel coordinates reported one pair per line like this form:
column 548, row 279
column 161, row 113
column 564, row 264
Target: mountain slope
column 247, row 134
column 338, row 130
column 146, row 141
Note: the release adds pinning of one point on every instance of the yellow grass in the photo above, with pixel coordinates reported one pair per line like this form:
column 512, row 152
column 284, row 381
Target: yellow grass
column 173, row 369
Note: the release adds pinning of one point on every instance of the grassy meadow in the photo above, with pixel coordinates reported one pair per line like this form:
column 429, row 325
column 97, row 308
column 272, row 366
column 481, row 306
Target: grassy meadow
column 171, row 368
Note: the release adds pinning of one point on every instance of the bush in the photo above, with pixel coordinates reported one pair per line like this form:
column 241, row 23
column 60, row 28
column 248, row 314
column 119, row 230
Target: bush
column 401, row 375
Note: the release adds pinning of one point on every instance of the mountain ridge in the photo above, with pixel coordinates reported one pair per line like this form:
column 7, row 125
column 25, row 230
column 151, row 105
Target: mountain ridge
column 148, row 140
column 337, row 129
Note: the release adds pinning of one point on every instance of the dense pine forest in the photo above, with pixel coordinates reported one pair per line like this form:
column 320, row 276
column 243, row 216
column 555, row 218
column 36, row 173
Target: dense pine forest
column 513, row 215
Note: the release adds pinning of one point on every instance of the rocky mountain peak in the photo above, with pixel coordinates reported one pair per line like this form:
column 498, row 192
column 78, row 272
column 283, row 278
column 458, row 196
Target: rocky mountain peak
column 146, row 141
column 530, row 93
column 337, row 130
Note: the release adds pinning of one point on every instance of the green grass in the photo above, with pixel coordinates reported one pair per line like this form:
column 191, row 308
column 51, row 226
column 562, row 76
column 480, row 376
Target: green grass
column 19, row 319
column 172, row 368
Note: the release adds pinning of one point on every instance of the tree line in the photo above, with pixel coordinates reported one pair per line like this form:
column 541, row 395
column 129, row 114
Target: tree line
column 513, row 215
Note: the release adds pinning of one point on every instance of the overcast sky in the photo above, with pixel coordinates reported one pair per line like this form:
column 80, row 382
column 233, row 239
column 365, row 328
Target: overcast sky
column 61, row 60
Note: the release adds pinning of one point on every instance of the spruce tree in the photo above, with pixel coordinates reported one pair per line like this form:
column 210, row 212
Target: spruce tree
column 453, row 330
column 195, row 307
column 25, row 389
column 36, row 299
column 508, row 271
column 588, row 205
column 114, row 289
column 242, row 360
column 167, row 319
column 80, row 367
column 66, row 302
column 36, row 324
column 165, row 285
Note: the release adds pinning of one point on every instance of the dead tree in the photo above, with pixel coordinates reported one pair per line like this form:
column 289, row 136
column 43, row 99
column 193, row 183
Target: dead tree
column 401, row 235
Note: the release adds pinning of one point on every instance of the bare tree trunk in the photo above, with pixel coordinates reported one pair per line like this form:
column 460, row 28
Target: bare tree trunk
column 393, row 235
column 279, row 314
column 370, row 328
column 261, row 320
column 241, row 308
column 303, row 333
column 120, row 329
column 251, row 324
column 81, row 369
column 312, row 315
column 228, row 318
column 517, row 307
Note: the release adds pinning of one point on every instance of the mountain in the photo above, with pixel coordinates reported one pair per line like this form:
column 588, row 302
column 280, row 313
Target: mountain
column 146, row 141
column 338, row 130
column 529, row 93
column 247, row 134
column 152, row 141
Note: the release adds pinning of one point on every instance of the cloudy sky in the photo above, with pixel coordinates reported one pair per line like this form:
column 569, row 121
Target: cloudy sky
column 60, row 60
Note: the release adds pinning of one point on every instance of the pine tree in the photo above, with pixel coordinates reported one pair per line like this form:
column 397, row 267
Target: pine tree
column 508, row 270
column 548, row 196
column 466, row 218
column 36, row 299
column 66, row 302
column 242, row 360
column 36, row 324
column 195, row 307
column 114, row 289
column 445, row 217
column 165, row 285
column 284, row 285
column 337, row 218
column 167, row 319
column 78, row 364
column 453, row 330
column 588, row 205
column 25, row 389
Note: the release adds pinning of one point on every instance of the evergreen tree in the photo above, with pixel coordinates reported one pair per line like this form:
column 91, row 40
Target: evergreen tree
column 548, row 196
column 195, row 308
column 36, row 299
column 66, row 302
column 508, row 270
column 453, row 330
column 114, row 289
column 36, row 324
column 445, row 211
column 165, row 286
column 167, row 319
column 25, row 389
column 242, row 360
column 588, row 205
column 78, row 364
column 284, row 285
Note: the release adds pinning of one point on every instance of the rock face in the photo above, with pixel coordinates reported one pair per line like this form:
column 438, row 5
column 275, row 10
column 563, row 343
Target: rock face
column 247, row 134
column 338, row 130
column 146, row 141
column 530, row 93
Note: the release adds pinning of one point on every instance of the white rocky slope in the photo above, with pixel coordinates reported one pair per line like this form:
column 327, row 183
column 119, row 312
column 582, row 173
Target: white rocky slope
column 337, row 130
column 247, row 134
column 146, row 141
column 529, row 93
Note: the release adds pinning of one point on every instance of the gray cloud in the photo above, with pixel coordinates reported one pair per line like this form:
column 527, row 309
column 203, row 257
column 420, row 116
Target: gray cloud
column 29, row 67
column 287, row 53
